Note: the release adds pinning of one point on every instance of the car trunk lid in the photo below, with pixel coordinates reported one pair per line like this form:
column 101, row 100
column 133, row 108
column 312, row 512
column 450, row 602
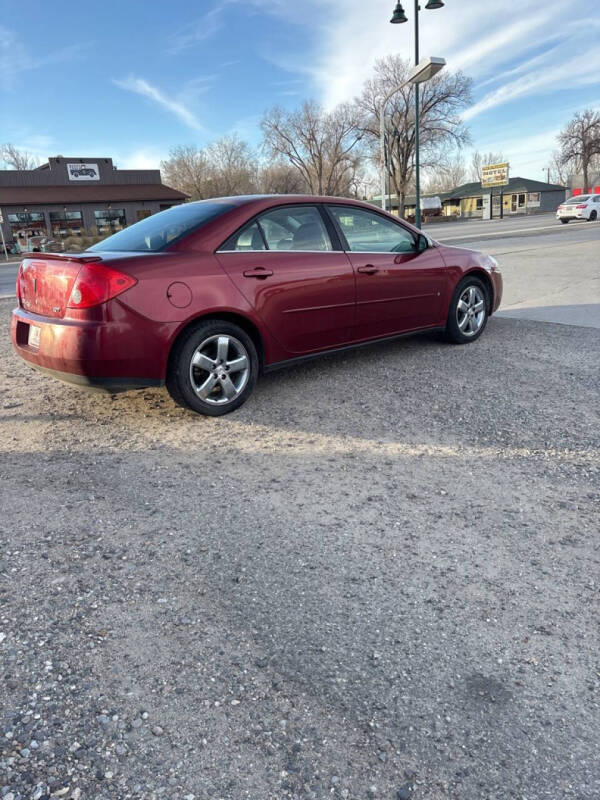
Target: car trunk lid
column 45, row 281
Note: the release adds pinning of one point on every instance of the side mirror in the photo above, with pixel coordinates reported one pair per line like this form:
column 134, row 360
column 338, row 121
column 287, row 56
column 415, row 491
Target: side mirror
column 422, row 243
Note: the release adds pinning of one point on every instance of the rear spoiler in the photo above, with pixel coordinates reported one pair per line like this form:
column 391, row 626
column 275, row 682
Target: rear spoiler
column 80, row 258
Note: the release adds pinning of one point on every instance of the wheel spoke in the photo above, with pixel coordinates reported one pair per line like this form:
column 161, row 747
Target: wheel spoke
column 222, row 348
column 238, row 364
column 229, row 389
column 478, row 307
column 463, row 322
column 462, row 306
column 471, row 296
column 203, row 362
column 207, row 387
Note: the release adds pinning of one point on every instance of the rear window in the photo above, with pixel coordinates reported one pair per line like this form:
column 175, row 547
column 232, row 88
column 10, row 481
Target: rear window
column 579, row 198
column 157, row 232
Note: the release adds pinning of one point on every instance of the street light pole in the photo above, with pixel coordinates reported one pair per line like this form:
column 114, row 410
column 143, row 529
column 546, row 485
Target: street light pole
column 417, row 164
column 398, row 17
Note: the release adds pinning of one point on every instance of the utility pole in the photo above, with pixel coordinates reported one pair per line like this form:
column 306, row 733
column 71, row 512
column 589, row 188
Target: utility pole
column 417, row 164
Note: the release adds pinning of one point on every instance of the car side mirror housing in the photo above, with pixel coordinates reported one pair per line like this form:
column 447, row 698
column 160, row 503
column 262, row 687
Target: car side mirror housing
column 422, row 243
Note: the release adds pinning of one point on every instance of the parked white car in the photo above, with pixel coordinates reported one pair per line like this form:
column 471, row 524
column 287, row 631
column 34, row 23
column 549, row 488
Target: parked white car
column 581, row 206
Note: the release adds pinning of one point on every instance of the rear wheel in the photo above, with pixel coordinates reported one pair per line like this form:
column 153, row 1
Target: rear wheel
column 564, row 221
column 468, row 312
column 213, row 368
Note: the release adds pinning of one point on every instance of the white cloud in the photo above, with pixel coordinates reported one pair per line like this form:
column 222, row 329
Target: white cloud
column 143, row 158
column 192, row 34
column 479, row 38
column 177, row 107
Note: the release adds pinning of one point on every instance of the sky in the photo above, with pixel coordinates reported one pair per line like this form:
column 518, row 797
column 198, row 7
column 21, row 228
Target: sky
column 134, row 78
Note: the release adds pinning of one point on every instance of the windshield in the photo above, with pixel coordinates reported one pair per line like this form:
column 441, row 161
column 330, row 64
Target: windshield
column 160, row 230
column 579, row 198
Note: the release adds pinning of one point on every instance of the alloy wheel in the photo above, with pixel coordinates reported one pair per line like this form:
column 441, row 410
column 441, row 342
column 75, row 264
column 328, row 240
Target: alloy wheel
column 219, row 369
column 470, row 310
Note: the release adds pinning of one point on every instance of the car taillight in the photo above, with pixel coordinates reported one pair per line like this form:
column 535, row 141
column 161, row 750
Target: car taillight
column 581, row 205
column 96, row 284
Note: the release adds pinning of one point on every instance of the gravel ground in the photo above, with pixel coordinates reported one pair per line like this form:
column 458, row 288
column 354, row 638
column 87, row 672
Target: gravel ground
column 379, row 578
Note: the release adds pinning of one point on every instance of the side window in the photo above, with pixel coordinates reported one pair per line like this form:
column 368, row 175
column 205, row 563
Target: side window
column 367, row 232
column 249, row 238
column 295, row 228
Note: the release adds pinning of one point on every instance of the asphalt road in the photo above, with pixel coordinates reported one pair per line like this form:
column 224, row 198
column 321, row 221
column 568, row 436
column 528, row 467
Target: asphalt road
column 378, row 579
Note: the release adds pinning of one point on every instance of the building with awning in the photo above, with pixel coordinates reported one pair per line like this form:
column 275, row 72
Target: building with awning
column 72, row 196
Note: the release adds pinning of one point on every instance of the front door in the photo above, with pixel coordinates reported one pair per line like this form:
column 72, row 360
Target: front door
column 398, row 288
column 285, row 264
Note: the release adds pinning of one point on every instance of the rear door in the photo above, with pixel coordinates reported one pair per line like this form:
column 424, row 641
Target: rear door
column 398, row 288
column 295, row 274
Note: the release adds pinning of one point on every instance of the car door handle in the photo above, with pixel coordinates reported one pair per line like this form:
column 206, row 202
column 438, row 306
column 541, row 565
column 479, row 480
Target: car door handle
column 368, row 269
column 258, row 272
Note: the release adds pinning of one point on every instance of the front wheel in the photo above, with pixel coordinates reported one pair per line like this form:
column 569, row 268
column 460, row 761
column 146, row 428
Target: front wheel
column 593, row 216
column 213, row 368
column 468, row 312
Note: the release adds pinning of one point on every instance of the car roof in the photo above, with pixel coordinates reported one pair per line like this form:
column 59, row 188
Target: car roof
column 268, row 200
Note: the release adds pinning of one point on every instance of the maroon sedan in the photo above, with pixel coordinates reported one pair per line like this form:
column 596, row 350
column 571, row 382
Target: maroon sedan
column 206, row 295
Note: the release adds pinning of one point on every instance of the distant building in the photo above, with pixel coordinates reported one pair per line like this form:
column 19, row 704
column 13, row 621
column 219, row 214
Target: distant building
column 521, row 196
column 68, row 196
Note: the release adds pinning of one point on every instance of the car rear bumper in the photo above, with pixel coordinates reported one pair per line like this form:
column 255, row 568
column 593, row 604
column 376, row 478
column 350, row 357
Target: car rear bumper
column 102, row 355
column 498, row 289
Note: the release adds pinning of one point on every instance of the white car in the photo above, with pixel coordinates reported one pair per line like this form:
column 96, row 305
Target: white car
column 581, row 206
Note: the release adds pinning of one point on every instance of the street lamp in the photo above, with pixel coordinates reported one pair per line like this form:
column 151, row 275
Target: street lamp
column 398, row 17
column 419, row 74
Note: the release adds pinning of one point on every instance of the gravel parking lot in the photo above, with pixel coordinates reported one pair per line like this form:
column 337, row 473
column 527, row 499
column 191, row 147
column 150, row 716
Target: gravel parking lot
column 339, row 591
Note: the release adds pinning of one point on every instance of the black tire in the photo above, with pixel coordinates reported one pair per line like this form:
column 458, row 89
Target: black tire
column 593, row 216
column 454, row 333
column 565, row 221
column 184, row 380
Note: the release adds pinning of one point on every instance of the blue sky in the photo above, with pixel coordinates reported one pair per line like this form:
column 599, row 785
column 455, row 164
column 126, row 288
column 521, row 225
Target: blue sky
column 131, row 79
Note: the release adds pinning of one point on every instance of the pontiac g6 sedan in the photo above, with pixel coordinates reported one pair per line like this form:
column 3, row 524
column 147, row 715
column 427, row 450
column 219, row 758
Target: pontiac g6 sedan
column 205, row 296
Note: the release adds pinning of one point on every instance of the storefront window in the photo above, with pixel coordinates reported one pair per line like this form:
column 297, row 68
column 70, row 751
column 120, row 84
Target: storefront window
column 109, row 220
column 30, row 221
column 143, row 213
column 66, row 223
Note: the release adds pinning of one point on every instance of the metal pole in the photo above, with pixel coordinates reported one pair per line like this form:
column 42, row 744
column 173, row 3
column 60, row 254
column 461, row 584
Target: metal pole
column 382, row 149
column 417, row 165
column 3, row 241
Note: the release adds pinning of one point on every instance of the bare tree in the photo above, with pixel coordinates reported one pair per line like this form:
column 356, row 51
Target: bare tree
column 450, row 173
column 226, row 167
column 281, row 178
column 557, row 172
column 441, row 101
column 188, row 170
column 580, row 143
column 480, row 160
column 17, row 159
column 322, row 146
column 233, row 166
